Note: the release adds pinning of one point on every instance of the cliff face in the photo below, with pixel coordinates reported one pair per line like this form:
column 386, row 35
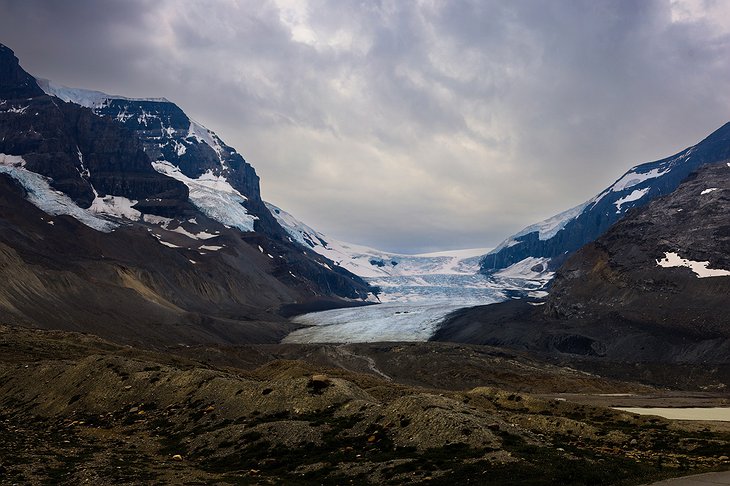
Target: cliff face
column 14, row 82
column 78, row 151
column 169, row 136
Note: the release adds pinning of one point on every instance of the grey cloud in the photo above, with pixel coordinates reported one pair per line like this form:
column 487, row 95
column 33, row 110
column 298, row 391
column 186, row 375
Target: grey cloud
column 409, row 126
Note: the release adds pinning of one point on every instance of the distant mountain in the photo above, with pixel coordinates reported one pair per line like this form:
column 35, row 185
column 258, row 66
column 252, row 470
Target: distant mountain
column 447, row 278
column 372, row 263
column 125, row 218
column 559, row 236
column 654, row 288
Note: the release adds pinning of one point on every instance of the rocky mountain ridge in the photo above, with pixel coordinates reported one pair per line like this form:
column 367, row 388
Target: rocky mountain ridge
column 653, row 288
column 185, row 150
column 559, row 236
column 668, row 264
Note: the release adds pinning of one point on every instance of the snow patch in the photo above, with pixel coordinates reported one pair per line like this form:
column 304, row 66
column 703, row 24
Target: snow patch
column 203, row 235
column 214, row 196
column 531, row 268
column 12, row 160
column 211, row 247
column 18, row 110
column 115, row 206
column 635, row 195
column 700, row 269
column 168, row 244
column 180, row 148
column 633, row 178
column 707, row 191
column 158, row 220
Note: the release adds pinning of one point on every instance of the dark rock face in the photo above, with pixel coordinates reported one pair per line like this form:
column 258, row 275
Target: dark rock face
column 127, row 287
column 611, row 300
column 619, row 273
column 77, row 150
column 14, row 82
column 606, row 209
column 168, row 134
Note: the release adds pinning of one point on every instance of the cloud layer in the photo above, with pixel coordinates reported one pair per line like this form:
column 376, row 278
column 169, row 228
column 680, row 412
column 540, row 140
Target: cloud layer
column 408, row 126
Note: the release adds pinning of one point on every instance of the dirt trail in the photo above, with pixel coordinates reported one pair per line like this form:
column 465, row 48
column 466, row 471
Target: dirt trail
column 341, row 356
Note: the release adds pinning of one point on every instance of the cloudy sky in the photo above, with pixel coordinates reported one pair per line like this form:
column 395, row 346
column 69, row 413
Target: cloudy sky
column 408, row 125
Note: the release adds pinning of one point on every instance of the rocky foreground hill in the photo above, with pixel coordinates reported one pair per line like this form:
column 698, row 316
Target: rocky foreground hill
column 75, row 409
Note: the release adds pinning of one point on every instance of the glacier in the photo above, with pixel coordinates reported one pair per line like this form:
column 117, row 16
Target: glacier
column 417, row 291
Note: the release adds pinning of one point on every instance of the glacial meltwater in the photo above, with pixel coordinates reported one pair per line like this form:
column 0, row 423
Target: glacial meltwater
column 692, row 413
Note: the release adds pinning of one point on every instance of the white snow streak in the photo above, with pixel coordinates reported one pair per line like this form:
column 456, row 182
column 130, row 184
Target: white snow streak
column 633, row 178
column 44, row 197
column 635, row 195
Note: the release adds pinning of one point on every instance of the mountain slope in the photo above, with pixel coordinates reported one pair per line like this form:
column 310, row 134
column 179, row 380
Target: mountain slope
column 221, row 184
column 667, row 265
column 654, row 288
column 561, row 235
column 108, row 241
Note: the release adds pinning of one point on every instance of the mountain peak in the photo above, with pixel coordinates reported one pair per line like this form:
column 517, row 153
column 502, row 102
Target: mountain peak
column 14, row 81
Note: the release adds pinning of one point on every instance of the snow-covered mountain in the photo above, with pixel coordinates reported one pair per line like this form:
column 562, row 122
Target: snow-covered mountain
column 220, row 182
column 554, row 239
column 224, row 187
column 654, row 288
column 372, row 263
column 124, row 218
column 447, row 277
